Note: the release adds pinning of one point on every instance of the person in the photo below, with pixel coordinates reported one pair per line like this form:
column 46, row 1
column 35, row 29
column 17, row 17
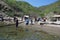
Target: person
column 2, row 19
column 14, row 19
column 45, row 19
column 35, row 19
column 39, row 19
column 16, row 23
column 27, row 21
column 31, row 22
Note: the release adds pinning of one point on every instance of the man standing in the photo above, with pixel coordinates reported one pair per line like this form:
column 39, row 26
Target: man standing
column 27, row 21
column 16, row 23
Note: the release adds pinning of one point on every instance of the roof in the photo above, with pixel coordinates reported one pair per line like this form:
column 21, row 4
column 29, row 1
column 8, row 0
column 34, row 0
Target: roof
column 56, row 16
column 26, row 16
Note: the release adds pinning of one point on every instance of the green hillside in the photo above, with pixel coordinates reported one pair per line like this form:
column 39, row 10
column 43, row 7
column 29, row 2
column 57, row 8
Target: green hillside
column 22, row 7
column 50, row 8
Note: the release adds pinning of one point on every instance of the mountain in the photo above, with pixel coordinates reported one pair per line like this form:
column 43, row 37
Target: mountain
column 54, row 7
column 13, row 7
column 21, row 8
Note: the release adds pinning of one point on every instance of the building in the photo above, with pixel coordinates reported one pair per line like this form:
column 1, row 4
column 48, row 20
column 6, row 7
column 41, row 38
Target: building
column 55, row 19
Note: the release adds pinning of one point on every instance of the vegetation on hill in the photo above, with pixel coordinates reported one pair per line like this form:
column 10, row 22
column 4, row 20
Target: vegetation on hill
column 22, row 7
column 54, row 7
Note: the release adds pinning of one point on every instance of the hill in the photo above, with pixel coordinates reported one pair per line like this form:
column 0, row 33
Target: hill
column 54, row 7
column 21, row 8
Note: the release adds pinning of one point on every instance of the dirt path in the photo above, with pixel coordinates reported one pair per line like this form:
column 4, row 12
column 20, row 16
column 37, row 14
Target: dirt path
column 51, row 29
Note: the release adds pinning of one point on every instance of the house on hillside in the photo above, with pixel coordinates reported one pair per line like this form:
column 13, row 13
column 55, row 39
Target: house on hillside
column 55, row 19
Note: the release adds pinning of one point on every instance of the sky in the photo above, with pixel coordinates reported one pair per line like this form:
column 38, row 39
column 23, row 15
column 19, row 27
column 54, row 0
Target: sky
column 38, row 3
